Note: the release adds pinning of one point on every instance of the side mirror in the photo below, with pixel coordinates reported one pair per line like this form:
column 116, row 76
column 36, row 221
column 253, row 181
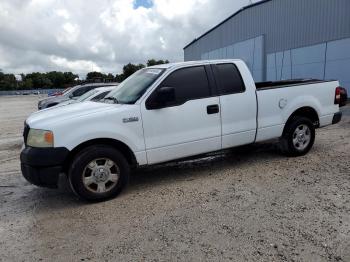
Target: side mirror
column 163, row 96
column 70, row 96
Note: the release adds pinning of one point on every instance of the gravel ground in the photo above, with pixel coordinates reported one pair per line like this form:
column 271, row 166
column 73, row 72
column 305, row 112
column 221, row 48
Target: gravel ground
column 254, row 205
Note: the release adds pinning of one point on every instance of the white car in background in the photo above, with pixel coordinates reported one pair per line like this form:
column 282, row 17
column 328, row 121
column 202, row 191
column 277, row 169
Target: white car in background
column 70, row 93
column 93, row 95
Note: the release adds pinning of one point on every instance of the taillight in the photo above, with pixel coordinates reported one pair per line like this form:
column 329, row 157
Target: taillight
column 337, row 95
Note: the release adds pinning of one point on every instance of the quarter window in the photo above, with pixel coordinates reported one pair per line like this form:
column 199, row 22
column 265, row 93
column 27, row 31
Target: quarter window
column 229, row 79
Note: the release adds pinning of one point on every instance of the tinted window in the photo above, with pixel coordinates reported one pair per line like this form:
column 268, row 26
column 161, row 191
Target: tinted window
column 82, row 90
column 100, row 96
column 189, row 83
column 229, row 79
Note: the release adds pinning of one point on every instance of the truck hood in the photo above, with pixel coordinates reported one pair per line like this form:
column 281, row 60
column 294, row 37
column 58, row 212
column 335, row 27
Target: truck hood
column 44, row 118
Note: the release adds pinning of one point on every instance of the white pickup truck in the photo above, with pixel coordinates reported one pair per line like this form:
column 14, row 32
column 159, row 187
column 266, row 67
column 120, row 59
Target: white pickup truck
column 171, row 112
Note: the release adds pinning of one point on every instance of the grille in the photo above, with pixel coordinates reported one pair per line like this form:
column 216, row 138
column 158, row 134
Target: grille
column 25, row 133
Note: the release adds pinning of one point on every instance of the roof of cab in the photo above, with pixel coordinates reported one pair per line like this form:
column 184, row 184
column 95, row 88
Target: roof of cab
column 192, row 63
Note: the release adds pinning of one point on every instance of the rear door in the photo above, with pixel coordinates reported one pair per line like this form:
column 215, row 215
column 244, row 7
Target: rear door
column 238, row 106
column 189, row 126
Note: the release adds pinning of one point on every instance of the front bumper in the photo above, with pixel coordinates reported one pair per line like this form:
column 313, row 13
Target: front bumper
column 42, row 166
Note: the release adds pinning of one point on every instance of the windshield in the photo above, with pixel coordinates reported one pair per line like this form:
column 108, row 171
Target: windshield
column 131, row 89
column 87, row 95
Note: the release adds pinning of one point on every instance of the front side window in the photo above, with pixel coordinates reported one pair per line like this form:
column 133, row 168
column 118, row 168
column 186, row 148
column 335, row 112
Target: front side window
column 229, row 79
column 131, row 89
column 189, row 84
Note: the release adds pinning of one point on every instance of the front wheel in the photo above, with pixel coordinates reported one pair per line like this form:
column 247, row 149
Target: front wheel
column 298, row 137
column 99, row 173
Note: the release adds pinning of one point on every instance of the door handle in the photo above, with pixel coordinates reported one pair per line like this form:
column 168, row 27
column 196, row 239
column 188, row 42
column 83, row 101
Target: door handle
column 212, row 109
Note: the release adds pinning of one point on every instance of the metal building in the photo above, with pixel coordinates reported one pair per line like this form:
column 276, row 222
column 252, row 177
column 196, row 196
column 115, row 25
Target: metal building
column 283, row 39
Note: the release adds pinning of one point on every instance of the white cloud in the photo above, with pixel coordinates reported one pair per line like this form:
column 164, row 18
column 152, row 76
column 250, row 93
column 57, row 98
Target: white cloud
column 171, row 9
column 77, row 65
column 106, row 34
column 3, row 11
column 62, row 13
column 162, row 42
column 69, row 33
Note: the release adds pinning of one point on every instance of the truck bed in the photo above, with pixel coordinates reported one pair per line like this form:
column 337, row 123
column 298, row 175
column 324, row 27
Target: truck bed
column 287, row 83
column 278, row 100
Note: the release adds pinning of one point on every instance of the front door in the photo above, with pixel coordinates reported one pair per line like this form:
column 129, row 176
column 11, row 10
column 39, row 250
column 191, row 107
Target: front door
column 189, row 125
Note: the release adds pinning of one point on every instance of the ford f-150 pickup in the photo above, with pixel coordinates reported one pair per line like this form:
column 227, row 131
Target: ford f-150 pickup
column 171, row 112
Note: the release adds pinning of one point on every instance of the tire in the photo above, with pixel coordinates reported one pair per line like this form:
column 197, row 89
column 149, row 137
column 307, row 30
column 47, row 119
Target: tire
column 298, row 137
column 95, row 166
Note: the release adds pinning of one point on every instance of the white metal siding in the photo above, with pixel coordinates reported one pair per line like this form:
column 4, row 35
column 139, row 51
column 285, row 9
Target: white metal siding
column 286, row 24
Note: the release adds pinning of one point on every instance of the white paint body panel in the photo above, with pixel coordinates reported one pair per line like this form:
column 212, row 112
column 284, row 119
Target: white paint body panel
column 181, row 131
column 238, row 113
column 77, row 123
column 272, row 118
column 177, row 132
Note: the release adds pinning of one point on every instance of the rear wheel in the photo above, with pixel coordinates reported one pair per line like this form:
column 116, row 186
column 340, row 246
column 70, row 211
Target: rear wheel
column 99, row 173
column 298, row 137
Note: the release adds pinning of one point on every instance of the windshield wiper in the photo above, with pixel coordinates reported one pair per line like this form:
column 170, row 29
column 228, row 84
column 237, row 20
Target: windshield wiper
column 113, row 99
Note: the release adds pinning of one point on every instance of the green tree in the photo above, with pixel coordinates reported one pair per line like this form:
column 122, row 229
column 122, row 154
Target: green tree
column 95, row 75
column 8, row 82
column 129, row 69
column 57, row 79
column 153, row 62
column 110, row 77
column 70, row 78
column 26, row 84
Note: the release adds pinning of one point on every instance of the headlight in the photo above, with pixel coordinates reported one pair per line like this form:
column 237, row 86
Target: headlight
column 40, row 138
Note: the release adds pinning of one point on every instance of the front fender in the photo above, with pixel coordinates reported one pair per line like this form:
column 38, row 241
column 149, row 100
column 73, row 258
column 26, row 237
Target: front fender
column 109, row 125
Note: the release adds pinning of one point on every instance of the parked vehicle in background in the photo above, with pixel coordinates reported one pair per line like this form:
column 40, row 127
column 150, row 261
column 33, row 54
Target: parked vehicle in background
column 58, row 93
column 93, row 95
column 170, row 112
column 72, row 93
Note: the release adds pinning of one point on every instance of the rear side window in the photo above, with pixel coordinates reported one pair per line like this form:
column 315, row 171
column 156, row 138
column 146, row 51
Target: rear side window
column 229, row 79
column 189, row 83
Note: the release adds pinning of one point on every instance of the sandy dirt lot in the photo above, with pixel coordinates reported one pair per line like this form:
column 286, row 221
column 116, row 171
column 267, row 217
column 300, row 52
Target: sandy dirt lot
column 239, row 206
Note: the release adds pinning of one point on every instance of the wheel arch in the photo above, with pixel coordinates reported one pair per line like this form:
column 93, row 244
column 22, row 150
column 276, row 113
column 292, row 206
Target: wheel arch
column 122, row 147
column 306, row 111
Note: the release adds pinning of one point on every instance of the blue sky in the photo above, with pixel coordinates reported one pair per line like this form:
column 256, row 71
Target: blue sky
column 143, row 3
